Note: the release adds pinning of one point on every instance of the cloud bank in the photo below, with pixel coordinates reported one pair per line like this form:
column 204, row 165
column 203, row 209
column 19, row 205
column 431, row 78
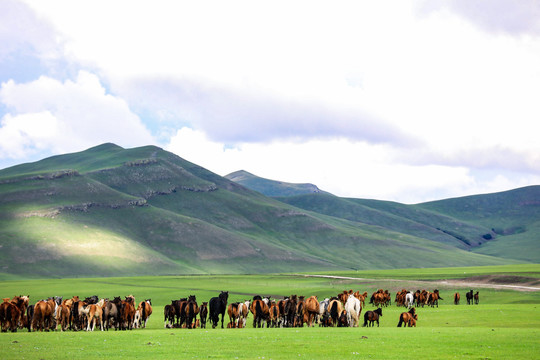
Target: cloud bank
column 410, row 102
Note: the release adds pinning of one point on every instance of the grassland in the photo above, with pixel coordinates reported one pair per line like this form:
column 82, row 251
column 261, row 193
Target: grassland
column 506, row 323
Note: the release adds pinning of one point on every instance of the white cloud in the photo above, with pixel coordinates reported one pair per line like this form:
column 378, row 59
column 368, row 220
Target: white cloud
column 47, row 114
column 339, row 166
column 424, row 101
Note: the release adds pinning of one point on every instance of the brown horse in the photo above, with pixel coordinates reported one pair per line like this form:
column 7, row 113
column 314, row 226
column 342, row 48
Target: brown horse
column 232, row 311
column 94, row 313
column 456, row 298
column 421, row 297
column 408, row 318
column 9, row 316
column 434, row 297
column 274, row 314
column 63, row 313
column 476, row 298
column 282, row 304
column 192, row 310
column 203, row 313
column 168, row 314
column 78, row 318
column 311, row 309
column 145, row 310
column 335, row 308
column 289, row 311
column 43, row 315
column 372, row 316
column 260, row 311
column 21, row 302
column 299, row 317
column 128, row 313
column 343, row 320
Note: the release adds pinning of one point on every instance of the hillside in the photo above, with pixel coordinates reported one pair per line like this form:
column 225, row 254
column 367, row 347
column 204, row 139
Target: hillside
column 109, row 211
column 271, row 187
column 505, row 224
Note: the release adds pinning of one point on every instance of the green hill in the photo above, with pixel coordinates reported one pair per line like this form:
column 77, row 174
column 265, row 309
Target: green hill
column 505, row 225
column 271, row 187
column 109, row 211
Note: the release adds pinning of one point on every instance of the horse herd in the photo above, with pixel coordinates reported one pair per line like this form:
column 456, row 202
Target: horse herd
column 73, row 314
column 292, row 311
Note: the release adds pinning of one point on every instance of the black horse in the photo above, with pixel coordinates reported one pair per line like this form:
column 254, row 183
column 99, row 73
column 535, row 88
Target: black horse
column 470, row 298
column 372, row 316
column 218, row 305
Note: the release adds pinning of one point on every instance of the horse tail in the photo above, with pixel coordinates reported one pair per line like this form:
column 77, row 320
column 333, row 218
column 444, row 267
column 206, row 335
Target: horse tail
column 258, row 308
column 365, row 318
column 143, row 315
column 334, row 310
column 400, row 320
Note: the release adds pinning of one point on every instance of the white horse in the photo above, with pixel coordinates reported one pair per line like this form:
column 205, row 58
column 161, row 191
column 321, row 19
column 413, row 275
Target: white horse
column 353, row 308
column 409, row 300
column 137, row 319
column 323, row 306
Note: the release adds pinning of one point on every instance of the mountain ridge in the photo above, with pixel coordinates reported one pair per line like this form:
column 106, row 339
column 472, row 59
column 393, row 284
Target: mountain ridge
column 109, row 211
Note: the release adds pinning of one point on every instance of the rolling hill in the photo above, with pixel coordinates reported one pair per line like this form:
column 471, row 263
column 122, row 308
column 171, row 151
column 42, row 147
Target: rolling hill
column 109, row 211
column 271, row 187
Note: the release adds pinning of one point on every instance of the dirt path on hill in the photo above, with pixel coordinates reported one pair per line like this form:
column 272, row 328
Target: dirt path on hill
column 518, row 283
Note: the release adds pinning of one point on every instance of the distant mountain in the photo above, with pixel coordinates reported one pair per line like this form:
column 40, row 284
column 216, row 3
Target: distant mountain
column 271, row 187
column 505, row 224
column 109, row 211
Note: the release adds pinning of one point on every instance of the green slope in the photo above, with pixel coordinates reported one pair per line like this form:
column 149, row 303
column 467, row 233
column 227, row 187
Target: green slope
column 504, row 225
column 269, row 187
column 109, row 211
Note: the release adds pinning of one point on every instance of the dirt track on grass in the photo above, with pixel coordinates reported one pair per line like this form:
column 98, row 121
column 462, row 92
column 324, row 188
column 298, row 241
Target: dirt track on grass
column 518, row 283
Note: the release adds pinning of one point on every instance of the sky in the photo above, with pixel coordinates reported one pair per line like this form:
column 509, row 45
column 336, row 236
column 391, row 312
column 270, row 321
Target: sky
column 408, row 101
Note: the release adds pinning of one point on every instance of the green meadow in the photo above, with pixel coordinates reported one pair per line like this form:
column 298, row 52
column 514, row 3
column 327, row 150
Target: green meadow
column 506, row 323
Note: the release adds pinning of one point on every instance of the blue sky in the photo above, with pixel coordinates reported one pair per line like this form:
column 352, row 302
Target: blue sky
column 396, row 100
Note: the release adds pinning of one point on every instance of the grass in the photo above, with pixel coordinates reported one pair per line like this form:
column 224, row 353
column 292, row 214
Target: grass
column 506, row 323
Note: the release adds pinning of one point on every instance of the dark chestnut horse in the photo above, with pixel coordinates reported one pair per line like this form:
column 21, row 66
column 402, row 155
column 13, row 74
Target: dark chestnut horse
column 203, row 313
column 192, row 310
column 168, row 314
column 476, row 298
column 289, row 311
column 371, row 316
